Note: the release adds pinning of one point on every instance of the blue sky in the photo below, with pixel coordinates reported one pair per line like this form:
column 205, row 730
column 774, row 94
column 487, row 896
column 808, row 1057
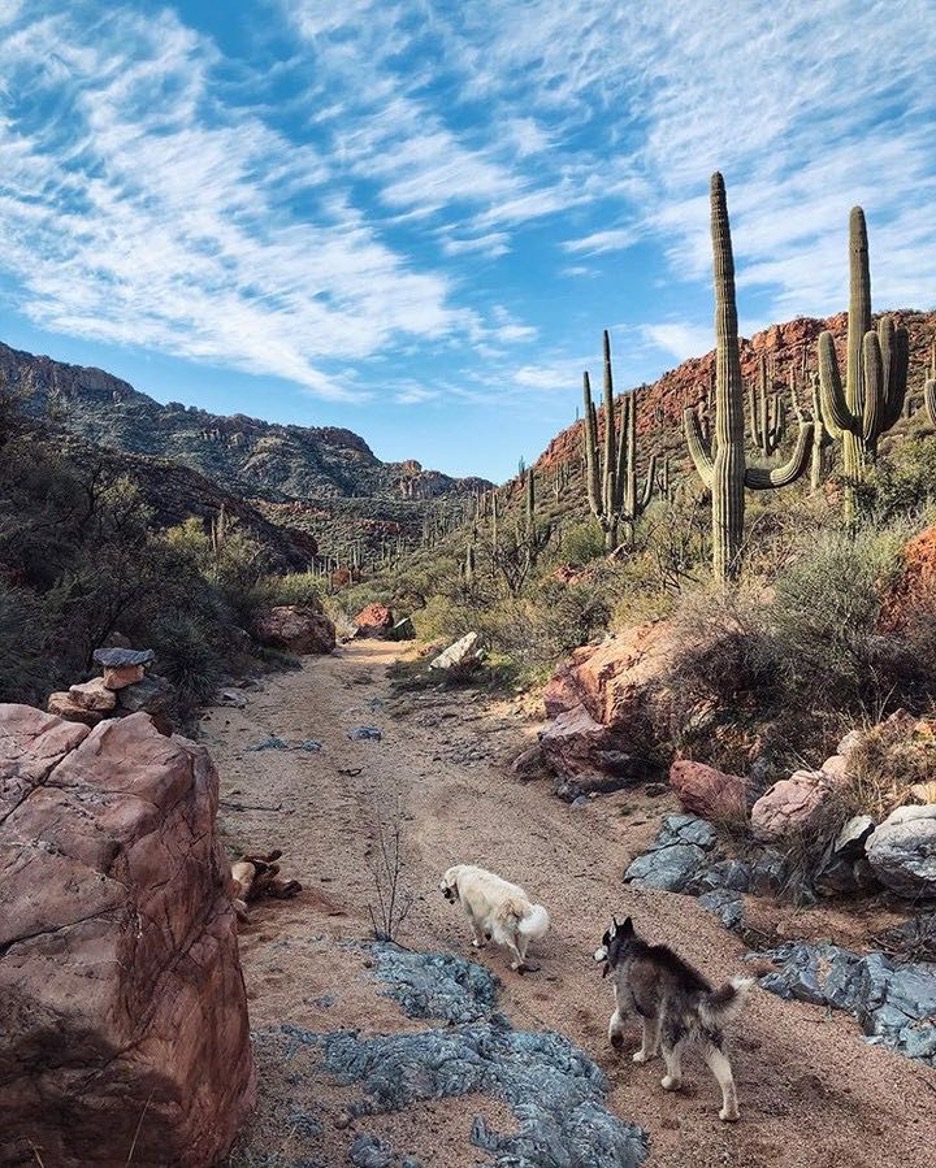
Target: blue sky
column 415, row 218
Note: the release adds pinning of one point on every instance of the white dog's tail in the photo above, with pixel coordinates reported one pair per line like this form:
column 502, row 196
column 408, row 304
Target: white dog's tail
column 723, row 1004
column 535, row 923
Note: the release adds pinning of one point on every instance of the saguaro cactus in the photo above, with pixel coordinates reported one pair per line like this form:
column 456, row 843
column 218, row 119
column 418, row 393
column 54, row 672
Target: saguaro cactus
column 871, row 400
column 766, row 414
column 929, row 387
column 722, row 466
column 611, row 479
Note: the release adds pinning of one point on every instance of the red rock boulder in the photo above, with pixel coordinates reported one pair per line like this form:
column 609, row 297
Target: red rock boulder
column 793, row 804
column 297, row 628
column 374, row 620
column 604, row 705
column 123, row 1007
column 708, row 792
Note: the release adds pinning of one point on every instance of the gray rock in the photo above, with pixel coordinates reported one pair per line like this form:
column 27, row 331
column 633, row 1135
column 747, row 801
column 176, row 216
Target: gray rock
column 770, row 873
column 850, row 841
column 270, row 743
column 370, row 1152
column 798, row 978
column 365, row 734
column 912, row 990
column 436, row 985
column 115, row 658
column 670, row 868
column 726, row 905
column 463, row 652
column 685, row 829
column 902, row 851
column 150, row 695
column 732, row 875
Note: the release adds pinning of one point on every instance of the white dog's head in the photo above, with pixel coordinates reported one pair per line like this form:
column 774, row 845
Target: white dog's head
column 448, row 885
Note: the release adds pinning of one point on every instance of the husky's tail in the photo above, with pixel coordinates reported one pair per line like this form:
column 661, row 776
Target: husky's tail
column 535, row 923
column 725, row 1003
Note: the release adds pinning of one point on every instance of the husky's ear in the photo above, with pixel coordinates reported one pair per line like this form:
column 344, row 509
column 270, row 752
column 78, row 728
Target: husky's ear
column 628, row 927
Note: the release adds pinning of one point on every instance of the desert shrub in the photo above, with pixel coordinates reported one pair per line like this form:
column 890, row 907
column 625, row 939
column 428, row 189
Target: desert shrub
column 191, row 655
column 904, row 482
column 889, row 760
column 25, row 672
column 299, row 588
column 725, row 688
column 825, row 618
column 581, row 543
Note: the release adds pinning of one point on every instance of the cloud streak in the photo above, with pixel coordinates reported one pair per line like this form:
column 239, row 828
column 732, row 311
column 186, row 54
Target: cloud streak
column 339, row 195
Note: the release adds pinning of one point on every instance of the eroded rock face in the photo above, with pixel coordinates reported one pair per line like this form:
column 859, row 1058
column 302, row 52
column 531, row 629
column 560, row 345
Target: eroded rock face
column 602, row 702
column 122, row 1002
column 297, row 628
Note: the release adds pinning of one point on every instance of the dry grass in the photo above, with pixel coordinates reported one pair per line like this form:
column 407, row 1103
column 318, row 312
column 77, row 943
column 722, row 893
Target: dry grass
column 893, row 764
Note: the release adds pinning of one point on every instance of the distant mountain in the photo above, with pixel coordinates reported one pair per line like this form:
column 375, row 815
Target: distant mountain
column 248, row 457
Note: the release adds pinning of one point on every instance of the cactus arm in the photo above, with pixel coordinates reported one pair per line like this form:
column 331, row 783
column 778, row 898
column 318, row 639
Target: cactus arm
column 835, row 412
column 874, row 404
column 699, row 452
column 610, row 483
column 929, row 388
column 895, row 353
column 649, row 482
column 761, row 479
column 591, row 448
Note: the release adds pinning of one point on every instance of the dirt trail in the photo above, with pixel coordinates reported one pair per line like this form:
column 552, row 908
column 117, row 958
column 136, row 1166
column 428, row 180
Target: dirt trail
column 811, row 1092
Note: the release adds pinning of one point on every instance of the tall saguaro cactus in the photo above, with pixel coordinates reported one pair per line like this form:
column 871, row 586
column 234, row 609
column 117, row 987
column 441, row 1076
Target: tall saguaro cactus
column 929, row 387
column 611, row 475
column 871, row 400
column 722, row 465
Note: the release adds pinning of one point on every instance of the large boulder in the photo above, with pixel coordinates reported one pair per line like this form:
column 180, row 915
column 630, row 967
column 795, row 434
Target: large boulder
column 297, row 628
column 902, row 851
column 609, row 696
column 793, row 804
column 125, row 1031
column 708, row 792
column 374, row 620
column 587, row 756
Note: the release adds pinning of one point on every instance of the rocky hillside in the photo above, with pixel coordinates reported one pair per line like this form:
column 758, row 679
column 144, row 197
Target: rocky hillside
column 246, row 456
column 785, row 346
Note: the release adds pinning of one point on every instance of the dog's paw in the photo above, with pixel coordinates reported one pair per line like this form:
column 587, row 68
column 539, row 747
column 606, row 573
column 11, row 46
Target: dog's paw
column 729, row 1115
column 478, row 944
column 669, row 1083
column 640, row 1056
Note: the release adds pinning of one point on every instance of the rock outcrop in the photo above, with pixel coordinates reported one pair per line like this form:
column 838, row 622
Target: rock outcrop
column 122, row 1002
column 603, row 706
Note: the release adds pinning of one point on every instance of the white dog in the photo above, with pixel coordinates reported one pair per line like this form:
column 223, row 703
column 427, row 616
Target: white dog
column 498, row 910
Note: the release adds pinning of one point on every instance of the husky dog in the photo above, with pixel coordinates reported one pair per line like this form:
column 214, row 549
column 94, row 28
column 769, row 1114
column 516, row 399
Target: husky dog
column 497, row 910
column 677, row 1006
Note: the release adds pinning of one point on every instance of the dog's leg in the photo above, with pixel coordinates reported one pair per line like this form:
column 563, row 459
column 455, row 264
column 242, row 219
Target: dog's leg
column 672, row 1056
column 721, row 1069
column 479, row 940
column 650, row 1046
column 514, row 951
column 616, row 1029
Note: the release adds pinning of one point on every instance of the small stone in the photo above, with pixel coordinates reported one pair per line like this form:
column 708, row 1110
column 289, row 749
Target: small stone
column 120, row 676
column 117, row 658
column 64, row 706
column 93, row 695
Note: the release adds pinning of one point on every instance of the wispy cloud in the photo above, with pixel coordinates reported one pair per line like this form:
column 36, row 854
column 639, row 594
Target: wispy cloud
column 351, row 192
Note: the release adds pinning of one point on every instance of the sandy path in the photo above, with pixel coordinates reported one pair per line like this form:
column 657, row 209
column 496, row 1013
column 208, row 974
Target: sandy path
column 811, row 1092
